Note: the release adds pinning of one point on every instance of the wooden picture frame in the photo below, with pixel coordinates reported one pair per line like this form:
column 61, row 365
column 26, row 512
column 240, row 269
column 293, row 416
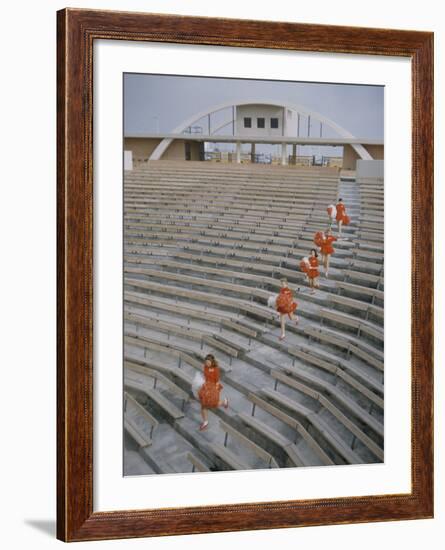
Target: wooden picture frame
column 77, row 31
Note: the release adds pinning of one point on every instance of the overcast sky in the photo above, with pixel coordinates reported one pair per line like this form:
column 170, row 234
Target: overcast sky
column 158, row 103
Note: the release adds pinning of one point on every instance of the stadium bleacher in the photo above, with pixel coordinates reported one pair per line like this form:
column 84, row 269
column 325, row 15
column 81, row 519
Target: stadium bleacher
column 205, row 245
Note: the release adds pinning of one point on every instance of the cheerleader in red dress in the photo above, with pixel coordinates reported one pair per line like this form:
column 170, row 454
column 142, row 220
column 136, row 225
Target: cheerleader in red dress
column 313, row 272
column 319, row 239
column 327, row 249
column 285, row 306
column 341, row 217
column 209, row 393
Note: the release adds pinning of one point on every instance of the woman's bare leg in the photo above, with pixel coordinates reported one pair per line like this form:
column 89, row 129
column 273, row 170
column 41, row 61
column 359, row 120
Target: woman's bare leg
column 283, row 322
column 204, row 414
column 324, row 260
column 340, row 223
column 293, row 316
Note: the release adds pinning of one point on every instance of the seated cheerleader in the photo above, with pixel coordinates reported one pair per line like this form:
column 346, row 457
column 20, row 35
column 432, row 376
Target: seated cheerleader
column 327, row 249
column 341, row 217
column 209, row 393
column 285, row 306
column 313, row 272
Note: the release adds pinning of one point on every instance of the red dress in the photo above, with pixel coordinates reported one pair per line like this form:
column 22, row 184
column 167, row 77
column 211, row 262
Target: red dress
column 326, row 245
column 285, row 301
column 211, row 389
column 313, row 272
column 341, row 214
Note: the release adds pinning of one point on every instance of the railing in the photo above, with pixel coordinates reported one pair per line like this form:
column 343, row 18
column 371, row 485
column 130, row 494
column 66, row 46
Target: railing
column 260, row 158
column 315, row 160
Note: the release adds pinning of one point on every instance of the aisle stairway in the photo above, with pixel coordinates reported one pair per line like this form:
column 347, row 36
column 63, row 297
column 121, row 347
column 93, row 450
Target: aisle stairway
column 205, row 246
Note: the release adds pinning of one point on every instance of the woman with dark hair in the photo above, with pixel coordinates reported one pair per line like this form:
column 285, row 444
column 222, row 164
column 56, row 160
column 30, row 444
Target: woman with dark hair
column 327, row 249
column 209, row 393
column 285, row 306
column 313, row 272
column 341, row 217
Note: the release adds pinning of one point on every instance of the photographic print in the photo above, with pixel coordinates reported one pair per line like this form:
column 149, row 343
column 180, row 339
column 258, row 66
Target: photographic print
column 253, row 274
column 220, row 275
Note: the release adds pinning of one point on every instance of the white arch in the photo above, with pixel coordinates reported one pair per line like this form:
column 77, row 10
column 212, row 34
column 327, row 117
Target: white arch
column 162, row 147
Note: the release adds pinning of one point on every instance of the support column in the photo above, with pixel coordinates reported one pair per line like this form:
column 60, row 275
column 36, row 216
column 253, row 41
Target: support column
column 294, row 153
column 238, row 152
column 233, row 119
column 284, row 154
column 252, row 153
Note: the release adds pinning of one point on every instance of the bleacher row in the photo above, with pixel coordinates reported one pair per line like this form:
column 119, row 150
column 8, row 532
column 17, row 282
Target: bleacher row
column 205, row 245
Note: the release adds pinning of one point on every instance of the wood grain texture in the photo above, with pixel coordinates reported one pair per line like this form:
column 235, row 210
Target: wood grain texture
column 76, row 32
